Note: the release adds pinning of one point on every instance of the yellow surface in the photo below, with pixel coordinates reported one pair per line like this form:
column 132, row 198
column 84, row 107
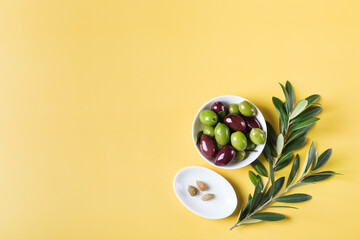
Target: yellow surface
column 97, row 100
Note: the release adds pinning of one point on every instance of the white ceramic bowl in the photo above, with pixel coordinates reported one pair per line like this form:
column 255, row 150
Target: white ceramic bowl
column 227, row 100
column 221, row 206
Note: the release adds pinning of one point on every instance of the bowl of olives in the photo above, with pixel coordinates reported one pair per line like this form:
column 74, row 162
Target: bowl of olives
column 229, row 132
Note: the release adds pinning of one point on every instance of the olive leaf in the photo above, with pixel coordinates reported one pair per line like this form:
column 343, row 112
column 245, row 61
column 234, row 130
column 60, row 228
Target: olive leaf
column 307, row 114
column 300, row 125
column 294, row 198
column 280, row 207
column 312, row 98
column 293, row 171
column 280, row 144
column 315, row 161
column 323, row 158
column 273, row 190
column 249, row 221
column 272, row 177
column 297, row 134
column 280, row 109
column 287, row 99
column 257, row 196
column 317, row 177
column 283, row 161
column 297, row 185
column 310, row 155
column 253, row 177
column 290, row 93
column 271, row 135
column 268, row 216
column 299, row 107
column 294, row 145
column 307, row 162
column 259, row 168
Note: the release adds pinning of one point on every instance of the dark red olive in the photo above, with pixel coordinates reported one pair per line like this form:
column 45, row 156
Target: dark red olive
column 207, row 146
column 252, row 122
column 218, row 107
column 225, row 155
column 235, row 122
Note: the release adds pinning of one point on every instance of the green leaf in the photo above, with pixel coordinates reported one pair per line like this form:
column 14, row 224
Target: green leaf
column 287, row 99
column 299, row 107
column 280, row 109
column 268, row 216
column 283, row 161
column 323, row 158
column 267, row 152
column 257, row 196
column 279, row 144
column 276, row 186
column 221, row 115
column 250, row 220
column 300, row 125
column 307, row 114
column 316, row 177
column 241, row 210
column 260, row 180
column 297, row 134
column 291, row 94
column 315, row 161
column 271, row 170
column 272, row 150
column 280, row 207
column 298, row 185
column 293, row 171
column 294, row 145
column 312, row 98
column 259, row 168
column 310, row 154
column 198, row 137
column 294, row 198
column 271, row 133
column 327, row 172
column 245, row 212
column 253, row 177
column 308, row 160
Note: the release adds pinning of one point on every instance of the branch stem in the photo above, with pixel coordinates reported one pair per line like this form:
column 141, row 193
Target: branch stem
column 269, row 201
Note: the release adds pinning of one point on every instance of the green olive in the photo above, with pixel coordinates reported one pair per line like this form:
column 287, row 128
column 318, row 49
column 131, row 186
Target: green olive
column 238, row 141
column 240, row 155
column 257, row 136
column 234, row 109
column 208, row 117
column 208, row 131
column 222, row 134
column 247, row 109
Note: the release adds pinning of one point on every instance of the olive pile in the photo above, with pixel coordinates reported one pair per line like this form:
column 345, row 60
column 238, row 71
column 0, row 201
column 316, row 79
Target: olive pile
column 228, row 133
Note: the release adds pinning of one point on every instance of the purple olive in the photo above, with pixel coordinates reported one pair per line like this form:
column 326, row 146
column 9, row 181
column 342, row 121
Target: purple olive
column 207, row 146
column 252, row 122
column 225, row 155
column 218, row 107
column 235, row 122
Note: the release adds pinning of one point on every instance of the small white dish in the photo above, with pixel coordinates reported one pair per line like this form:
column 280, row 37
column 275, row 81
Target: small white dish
column 227, row 100
column 221, row 206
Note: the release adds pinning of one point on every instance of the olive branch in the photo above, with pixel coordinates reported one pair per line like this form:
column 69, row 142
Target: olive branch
column 294, row 124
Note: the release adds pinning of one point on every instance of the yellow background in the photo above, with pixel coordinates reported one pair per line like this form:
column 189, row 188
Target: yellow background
column 97, row 100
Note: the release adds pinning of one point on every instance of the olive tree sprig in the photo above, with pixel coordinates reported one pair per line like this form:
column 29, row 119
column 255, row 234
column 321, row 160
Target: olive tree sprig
column 294, row 124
